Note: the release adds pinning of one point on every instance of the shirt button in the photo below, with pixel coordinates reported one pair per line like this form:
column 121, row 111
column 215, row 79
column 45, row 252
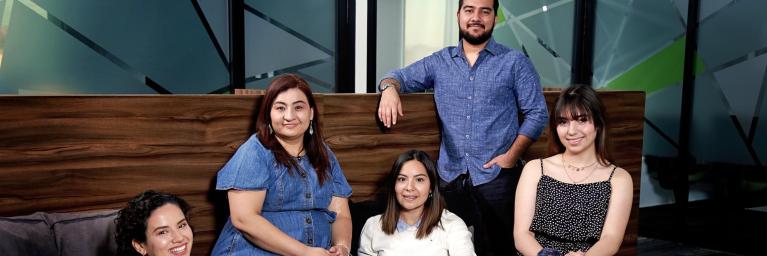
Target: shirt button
column 310, row 241
column 471, row 78
column 468, row 117
column 308, row 220
column 308, row 195
column 467, row 136
column 467, row 154
column 303, row 175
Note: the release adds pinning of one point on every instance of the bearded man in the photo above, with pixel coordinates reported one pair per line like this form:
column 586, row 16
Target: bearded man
column 480, row 87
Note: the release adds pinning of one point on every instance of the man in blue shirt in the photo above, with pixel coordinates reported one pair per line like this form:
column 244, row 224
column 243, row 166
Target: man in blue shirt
column 479, row 87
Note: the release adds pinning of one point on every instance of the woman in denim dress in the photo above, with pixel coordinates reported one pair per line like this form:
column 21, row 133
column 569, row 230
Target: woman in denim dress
column 287, row 194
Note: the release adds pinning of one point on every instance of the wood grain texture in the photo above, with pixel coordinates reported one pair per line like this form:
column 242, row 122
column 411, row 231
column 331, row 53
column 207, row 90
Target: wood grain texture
column 363, row 145
column 74, row 153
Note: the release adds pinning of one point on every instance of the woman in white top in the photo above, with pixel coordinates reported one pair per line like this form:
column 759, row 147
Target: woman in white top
column 415, row 221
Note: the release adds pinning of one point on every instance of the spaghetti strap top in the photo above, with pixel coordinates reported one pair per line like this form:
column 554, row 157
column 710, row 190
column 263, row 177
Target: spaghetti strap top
column 570, row 217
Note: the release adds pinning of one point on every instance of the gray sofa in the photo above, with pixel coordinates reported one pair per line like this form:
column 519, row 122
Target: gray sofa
column 78, row 233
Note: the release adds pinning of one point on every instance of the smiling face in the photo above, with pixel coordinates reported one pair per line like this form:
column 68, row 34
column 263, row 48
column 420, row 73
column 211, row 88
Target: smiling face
column 412, row 187
column 476, row 19
column 167, row 233
column 576, row 132
column 290, row 114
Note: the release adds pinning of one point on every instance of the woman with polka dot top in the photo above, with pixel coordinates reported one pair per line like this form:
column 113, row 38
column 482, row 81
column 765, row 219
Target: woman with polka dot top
column 576, row 202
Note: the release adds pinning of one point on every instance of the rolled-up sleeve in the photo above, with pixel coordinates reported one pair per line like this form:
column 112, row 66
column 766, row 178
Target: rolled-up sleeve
column 527, row 87
column 416, row 77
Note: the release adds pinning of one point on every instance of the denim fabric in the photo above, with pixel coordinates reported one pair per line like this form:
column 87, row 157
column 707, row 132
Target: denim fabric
column 402, row 226
column 549, row 252
column 478, row 105
column 295, row 203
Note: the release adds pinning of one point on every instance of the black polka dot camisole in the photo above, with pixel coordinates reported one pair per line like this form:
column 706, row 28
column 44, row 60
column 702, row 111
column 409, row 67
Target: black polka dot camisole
column 569, row 217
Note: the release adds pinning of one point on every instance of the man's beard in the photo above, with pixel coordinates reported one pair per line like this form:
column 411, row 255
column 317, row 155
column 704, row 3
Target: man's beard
column 475, row 40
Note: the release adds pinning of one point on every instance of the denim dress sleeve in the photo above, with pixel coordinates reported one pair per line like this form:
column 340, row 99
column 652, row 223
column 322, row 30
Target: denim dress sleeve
column 247, row 169
column 341, row 187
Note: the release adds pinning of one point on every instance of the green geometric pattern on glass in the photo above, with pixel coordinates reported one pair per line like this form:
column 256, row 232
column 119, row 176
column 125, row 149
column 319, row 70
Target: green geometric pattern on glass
column 501, row 17
column 661, row 70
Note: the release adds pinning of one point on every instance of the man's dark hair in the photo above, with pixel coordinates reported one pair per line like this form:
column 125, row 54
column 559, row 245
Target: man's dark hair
column 495, row 6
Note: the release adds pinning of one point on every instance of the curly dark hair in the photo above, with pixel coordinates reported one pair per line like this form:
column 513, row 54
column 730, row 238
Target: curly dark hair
column 131, row 220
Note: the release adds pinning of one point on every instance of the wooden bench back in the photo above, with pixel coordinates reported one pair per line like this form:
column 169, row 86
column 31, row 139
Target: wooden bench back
column 75, row 153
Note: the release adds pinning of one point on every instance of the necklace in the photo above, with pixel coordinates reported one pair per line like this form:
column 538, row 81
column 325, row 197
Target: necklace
column 593, row 170
column 576, row 168
column 298, row 155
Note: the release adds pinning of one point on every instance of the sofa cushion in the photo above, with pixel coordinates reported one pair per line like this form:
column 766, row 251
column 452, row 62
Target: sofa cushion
column 84, row 233
column 26, row 235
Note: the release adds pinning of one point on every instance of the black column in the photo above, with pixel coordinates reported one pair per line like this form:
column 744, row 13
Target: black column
column 236, row 44
column 583, row 42
column 685, row 158
column 371, row 38
column 345, row 46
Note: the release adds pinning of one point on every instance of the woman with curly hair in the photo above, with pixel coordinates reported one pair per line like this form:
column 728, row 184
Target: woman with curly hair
column 153, row 224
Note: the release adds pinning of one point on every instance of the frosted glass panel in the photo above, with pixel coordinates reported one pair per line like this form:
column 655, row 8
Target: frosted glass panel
column 280, row 39
column 731, row 94
column 630, row 32
column 89, row 46
column 539, row 32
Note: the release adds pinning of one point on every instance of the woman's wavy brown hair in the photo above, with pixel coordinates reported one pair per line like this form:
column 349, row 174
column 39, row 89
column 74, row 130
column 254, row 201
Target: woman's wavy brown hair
column 313, row 144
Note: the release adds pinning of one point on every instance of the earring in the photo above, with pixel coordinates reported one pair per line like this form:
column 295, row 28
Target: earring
column 270, row 129
column 430, row 194
column 311, row 130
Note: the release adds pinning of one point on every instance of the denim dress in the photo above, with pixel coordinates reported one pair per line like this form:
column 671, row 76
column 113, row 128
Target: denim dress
column 295, row 202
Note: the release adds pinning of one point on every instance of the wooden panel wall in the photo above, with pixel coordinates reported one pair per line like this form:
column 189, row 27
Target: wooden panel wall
column 73, row 153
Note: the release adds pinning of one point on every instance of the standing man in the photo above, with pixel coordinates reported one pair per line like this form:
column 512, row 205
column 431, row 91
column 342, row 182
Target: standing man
column 479, row 87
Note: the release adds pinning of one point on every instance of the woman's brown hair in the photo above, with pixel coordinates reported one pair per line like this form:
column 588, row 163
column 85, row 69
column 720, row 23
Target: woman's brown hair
column 314, row 146
column 432, row 210
column 577, row 101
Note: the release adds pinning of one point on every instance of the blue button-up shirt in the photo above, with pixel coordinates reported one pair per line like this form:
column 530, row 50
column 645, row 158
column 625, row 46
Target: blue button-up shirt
column 478, row 105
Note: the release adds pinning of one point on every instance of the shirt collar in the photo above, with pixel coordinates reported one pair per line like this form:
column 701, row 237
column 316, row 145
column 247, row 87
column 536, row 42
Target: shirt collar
column 402, row 226
column 491, row 47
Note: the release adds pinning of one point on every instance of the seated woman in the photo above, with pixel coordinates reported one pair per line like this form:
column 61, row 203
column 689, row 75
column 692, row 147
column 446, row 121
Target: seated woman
column 287, row 194
column 154, row 224
column 576, row 202
column 415, row 221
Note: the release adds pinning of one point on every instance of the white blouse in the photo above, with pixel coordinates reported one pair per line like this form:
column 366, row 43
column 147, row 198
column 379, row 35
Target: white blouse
column 450, row 238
